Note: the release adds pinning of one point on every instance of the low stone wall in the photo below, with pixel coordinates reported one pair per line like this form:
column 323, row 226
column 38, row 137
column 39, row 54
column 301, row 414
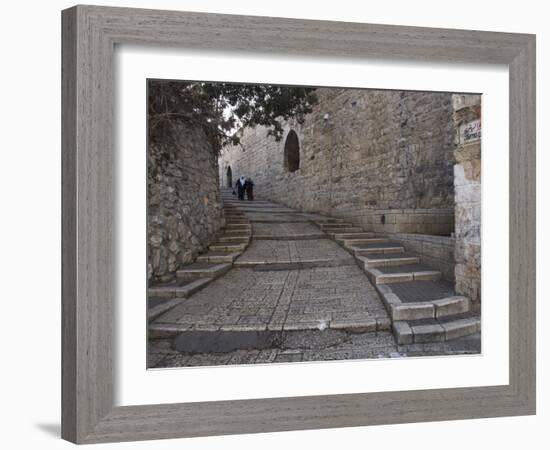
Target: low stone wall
column 184, row 211
column 435, row 251
column 467, row 176
column 363, row 154
column 426, row 221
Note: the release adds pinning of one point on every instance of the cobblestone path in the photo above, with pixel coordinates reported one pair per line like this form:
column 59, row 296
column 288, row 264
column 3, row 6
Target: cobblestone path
column 292, row 295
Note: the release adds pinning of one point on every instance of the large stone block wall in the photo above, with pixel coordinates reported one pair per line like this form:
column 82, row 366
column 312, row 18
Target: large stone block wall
column 383, row 159
column 184, row 212
column 436, row 251
column 467, row 117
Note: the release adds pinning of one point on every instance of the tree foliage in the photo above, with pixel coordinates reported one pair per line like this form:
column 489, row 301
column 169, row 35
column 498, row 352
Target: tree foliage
column 223, row 109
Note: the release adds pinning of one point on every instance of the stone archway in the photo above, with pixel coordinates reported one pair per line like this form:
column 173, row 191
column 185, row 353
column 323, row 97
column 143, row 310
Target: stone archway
column 292, row 152
column 229, row 177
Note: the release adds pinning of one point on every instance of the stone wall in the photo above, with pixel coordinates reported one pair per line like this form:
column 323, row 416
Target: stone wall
column 436, row 251
column 383, row 159
column 467, row 117
column 184, row 212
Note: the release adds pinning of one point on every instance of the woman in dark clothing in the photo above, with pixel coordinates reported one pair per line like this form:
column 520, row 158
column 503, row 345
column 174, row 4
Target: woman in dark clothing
column 241, row 186
column 249, row 189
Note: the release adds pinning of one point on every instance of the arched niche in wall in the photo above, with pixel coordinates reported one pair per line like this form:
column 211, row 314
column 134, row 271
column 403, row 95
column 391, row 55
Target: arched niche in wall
column 292, row 152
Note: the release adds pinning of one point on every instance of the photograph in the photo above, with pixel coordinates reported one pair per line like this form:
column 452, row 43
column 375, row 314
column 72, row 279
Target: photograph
column 263, row 225
column 299, row 223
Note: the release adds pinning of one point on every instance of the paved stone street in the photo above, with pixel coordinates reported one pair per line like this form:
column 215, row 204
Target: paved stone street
column 297, row 346
column 304, row 346
column 279, row 251
column 300, row 294
column 300, row 299
column 293, row 295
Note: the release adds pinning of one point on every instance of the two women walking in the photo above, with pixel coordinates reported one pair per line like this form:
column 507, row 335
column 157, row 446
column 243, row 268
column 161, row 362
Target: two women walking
column 245, row 185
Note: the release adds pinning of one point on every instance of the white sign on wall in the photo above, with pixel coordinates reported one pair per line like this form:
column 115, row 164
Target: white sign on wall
column 470, row 131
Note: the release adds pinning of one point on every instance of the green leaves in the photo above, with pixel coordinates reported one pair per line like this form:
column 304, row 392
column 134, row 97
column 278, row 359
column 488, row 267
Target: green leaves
column 222, row 109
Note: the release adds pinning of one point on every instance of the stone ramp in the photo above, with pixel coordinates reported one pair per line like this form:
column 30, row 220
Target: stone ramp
column 286, row 231
column 285, row 300
column 314, row 252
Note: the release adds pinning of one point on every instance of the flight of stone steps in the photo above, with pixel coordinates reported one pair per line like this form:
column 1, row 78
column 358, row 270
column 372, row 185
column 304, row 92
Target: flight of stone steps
column 422, row 306
column 208, row 266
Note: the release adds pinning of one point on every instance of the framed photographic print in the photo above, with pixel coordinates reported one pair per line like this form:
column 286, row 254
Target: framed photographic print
column 278, row 224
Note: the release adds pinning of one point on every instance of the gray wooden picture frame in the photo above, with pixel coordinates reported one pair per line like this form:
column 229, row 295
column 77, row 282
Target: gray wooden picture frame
column 89, row 36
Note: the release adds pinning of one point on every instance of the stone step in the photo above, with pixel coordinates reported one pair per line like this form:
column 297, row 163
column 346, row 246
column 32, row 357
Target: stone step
column 433, row 330
column 358, row 242
column 231, row 220
column 156, row 306
column 264, row 265
column 334, row 231
column 385, row 260
column 367, row 249
column 328, row 221
column 425, row 308
column 218, row 257
column 341, row 237
column 260, row 209
column 244, row 239
column 238, row 226
column 289, row 237
column 203, row 270
column 335, row 225
column 231, row 225
column 399, row 274
column 235, row 217
column 238, row 232
column 227, row 247
column 181, row 288
column 259, row 335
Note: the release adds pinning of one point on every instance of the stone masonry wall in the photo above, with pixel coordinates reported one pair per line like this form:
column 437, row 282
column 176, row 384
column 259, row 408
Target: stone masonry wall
column 382, row 159
column 184, row 212
column 467, row 117
column 436, row 251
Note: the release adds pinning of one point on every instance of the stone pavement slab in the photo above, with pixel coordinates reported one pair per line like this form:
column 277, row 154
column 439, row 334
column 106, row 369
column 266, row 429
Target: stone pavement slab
column 309, row 346
column 279, row 251
column 248, row 300
column 285, row 230
column 421, row 291
column 264, row 217
column 290, row 347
